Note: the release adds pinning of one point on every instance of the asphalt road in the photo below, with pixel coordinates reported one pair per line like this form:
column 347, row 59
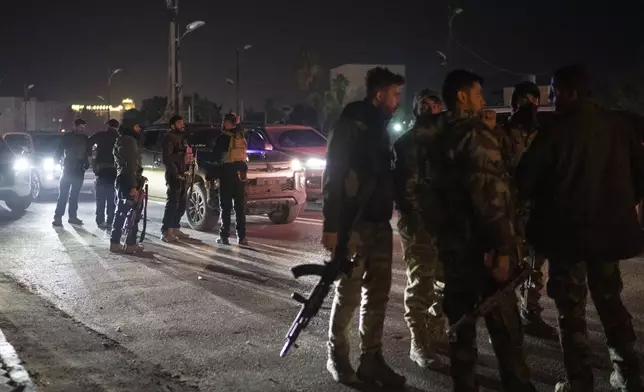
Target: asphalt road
column 195, row 316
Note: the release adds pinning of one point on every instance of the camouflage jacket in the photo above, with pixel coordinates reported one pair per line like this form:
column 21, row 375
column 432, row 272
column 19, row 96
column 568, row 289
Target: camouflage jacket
column 474, row 189
column 358, row 151
column 517, row 138
column 414, row 167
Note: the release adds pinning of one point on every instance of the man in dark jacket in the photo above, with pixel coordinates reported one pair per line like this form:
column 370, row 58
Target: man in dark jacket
column 584, row 174
column 230, row 151
column 127, row 158
column 359, row 158
column 103, row 164
column 74, row 152
column 177, row 165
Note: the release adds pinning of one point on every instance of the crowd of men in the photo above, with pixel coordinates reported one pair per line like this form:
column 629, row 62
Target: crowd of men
column 474, row 198
column 115, row 157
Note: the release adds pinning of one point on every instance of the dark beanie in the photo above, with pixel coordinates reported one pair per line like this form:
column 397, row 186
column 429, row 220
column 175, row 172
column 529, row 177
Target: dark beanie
column 113, row 123
column 230, row 117
column 130, row 119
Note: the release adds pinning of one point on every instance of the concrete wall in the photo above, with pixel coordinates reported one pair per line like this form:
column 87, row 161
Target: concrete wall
column 357, row 74
column 41, row 115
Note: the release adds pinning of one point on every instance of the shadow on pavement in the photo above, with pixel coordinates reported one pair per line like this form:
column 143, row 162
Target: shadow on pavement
column 7, row 217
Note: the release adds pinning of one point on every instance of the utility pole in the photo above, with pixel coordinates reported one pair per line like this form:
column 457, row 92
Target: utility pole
column 237, row 83
column 173, row 71
column 27, row 88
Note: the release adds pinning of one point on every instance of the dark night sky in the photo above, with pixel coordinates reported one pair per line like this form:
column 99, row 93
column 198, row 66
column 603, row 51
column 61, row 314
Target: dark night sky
column 65, row 47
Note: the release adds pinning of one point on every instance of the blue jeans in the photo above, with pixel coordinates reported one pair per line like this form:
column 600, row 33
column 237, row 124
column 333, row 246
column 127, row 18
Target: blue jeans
column 124, row 205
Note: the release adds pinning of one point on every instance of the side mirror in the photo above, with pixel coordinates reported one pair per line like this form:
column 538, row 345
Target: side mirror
column 268, row 147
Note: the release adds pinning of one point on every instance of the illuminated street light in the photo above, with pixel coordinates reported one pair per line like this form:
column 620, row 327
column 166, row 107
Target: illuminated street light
column 237, row 81
column 109, row 87
column 192, row 27
column 27, row 89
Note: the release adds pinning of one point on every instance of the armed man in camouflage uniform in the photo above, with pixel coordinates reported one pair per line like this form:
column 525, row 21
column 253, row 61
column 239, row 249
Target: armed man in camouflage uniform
column 359, row 155
column 476, row 236
column 412, row 177
column 520, row 131
column 585, row 173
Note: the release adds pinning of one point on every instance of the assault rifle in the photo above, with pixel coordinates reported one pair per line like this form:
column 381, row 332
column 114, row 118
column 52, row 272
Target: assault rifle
column 328, row 273
column 341, row 263
column 489, row 303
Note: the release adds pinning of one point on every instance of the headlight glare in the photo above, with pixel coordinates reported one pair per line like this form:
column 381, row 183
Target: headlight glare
column 296, row 165
column 48, row 164
column 315, row 163
column 21, row 164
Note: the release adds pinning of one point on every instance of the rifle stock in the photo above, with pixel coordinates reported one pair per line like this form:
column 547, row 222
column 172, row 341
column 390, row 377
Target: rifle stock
column 489, row 303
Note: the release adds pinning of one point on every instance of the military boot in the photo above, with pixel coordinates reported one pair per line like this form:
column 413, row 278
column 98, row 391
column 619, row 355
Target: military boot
column 374, row 370
column 535, row 326
column 341, row 370
column 422, row 353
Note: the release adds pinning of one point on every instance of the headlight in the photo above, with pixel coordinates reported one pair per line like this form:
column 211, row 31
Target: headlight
column 296, row 165
column 398, row 127
column 315, row 163
column 21, row 164
column 48, row 164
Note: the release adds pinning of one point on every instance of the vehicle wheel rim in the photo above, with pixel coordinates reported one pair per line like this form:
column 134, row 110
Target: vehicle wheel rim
column 196, row 208
column 35, row 186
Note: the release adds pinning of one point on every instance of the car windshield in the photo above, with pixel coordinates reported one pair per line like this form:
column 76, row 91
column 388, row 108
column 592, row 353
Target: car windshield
column 293, row 138
column 44, row 144
column 202, row 139
column 5, row 151
column 17, row 142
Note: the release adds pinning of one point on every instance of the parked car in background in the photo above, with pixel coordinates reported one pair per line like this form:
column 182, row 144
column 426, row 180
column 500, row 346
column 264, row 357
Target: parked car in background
column 275, row 184
column 15, row 178
column 46, row 172
column 305, row 144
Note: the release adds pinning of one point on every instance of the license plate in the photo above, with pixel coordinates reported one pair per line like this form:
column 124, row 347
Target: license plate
column 257, row 190
column 268, row 182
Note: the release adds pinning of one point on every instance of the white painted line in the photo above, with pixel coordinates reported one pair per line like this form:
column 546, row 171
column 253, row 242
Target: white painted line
column 14, row 367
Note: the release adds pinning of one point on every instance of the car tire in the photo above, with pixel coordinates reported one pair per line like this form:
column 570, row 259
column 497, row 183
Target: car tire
column 18, row 204
column 200, row 217
column 36, row 186
column 286, row 214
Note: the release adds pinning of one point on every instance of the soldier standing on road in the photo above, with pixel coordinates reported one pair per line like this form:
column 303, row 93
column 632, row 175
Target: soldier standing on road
column 520, row 132
column 423, row 293
column 176, row 161
column 584, row 174
column 230, row 150
column 359, row 152
column 103, row 164
column 74, row 152
column 127, row 157
column 476, row 236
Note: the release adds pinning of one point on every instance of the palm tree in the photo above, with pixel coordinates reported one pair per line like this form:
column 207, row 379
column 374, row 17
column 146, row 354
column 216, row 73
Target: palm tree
column 306, row 70
column 339, row 86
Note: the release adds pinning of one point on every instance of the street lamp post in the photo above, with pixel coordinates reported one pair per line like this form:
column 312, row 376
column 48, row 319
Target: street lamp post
column 27, row 89
column 110, row 74
column 179, row 74
column 453, row 12
column 237, row 77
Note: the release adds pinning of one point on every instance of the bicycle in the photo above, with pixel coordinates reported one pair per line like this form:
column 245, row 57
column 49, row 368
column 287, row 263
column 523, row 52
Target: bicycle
column 139, row 206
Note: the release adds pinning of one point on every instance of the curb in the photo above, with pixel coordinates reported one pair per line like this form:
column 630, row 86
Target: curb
column 10, row 363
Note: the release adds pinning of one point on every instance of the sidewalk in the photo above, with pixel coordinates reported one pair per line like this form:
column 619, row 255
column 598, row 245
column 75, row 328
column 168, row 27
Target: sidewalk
column 13, row 376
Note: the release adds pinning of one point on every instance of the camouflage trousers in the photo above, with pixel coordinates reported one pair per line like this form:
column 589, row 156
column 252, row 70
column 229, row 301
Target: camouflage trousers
column 424, row 290
column 466, row 282
column 568, row 286
column 530, row 300
column 366, row 287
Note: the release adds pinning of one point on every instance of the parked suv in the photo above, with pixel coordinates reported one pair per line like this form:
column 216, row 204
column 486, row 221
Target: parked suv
column 305, row 144
column 45, row 171
column 15, row 179
column 275, row 181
